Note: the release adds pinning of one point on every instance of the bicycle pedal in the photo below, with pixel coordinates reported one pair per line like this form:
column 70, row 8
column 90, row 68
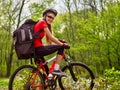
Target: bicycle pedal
column 60, row 75
column 63, row 75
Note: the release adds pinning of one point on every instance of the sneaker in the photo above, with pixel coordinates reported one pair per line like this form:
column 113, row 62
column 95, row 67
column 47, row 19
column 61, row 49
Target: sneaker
column 58, row 72
column 50, row 76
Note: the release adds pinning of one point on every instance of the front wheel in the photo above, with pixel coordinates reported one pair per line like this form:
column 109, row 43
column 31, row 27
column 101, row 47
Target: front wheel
column 23, row 76
column 79, row 77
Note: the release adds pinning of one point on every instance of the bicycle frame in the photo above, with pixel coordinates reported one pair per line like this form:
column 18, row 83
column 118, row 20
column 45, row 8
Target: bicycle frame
column 41, row 68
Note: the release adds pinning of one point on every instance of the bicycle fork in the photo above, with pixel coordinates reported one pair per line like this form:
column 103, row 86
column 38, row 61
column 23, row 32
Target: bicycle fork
column 72, row 73
column 70, row 69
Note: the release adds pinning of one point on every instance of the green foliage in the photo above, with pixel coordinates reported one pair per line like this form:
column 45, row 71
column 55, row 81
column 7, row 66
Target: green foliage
column 5, row 45
column 11, row 15
column 109, row 81
column 112, row 79
column 3, row 83
column 36, row 10
column 94, row 39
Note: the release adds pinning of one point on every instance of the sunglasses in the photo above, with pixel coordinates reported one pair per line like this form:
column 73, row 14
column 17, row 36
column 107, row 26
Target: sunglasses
column 50, row 17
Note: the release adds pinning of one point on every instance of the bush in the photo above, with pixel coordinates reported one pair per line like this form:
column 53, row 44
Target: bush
column 109, row 81
column 112, row 79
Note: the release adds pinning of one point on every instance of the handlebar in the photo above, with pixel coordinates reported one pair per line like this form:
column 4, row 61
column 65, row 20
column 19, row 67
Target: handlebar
column 65, row 45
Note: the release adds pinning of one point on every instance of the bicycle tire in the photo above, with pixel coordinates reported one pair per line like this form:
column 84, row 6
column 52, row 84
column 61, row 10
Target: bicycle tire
column 19, row 79
column 84, row 77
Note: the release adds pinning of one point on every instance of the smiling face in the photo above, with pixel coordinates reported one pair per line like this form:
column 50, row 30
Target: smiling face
column 50, row 17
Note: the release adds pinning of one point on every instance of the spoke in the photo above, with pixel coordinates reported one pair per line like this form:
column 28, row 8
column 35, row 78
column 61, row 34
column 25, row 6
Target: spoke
column 82, row 78
column 24, row 78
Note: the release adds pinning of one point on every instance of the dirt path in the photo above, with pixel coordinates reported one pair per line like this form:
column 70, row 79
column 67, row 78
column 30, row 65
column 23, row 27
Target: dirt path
column 3, row 88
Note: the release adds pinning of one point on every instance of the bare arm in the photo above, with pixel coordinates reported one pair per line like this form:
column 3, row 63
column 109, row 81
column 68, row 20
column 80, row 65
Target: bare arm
column 51, row 37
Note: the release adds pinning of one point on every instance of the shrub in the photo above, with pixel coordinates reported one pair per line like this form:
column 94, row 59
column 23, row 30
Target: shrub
column 112, row 79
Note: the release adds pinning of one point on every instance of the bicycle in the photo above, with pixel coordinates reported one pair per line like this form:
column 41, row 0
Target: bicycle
column 28, row 77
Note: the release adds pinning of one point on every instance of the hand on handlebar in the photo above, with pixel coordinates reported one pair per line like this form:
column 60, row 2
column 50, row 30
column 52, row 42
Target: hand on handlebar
column 66, row 46
column 63, row 41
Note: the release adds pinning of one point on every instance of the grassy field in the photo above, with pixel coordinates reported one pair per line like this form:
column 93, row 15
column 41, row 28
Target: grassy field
column 4, row 83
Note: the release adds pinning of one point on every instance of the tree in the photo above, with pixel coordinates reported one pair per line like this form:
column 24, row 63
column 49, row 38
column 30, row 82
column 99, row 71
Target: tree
column 11, row 18
column 13, row 13
column 95, row 40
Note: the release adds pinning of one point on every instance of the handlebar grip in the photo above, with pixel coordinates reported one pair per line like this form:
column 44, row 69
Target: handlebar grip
column 66, row 46
column 63, row 41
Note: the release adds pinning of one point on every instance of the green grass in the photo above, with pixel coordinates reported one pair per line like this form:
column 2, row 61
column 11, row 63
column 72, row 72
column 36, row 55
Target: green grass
column 4, row 83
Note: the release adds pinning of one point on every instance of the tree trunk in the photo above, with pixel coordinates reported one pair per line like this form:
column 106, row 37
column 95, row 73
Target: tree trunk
column 9, row 59
column 9, row 62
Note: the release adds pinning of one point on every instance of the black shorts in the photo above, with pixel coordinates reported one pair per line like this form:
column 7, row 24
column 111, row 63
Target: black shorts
column 49, row 49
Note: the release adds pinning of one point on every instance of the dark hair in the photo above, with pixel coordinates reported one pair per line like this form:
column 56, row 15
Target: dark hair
column 50, row 10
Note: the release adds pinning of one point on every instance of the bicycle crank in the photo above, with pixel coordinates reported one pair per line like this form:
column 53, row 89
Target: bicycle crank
column 52, row 84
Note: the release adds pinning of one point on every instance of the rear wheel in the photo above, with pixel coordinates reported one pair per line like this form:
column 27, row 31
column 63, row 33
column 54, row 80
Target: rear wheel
column 23, row 76
column 79, row 77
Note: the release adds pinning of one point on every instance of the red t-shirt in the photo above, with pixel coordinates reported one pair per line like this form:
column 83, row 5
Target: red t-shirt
column 39, row 26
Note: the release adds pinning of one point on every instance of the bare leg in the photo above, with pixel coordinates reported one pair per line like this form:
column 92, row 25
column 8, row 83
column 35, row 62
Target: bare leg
column 57, row 70
column 57, row 62
column 58, row 59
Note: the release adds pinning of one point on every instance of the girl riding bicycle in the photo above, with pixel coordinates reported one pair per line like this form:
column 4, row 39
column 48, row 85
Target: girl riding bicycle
column 30, row 77
column 45, row 26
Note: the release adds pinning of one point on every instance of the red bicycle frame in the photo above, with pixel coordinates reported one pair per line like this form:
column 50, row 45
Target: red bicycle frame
column 35, row 74
column 40, row 67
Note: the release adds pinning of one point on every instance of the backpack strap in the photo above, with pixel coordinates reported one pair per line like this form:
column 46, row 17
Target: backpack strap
column 35, row 35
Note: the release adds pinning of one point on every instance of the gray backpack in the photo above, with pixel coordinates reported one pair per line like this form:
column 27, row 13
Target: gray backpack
column 23, row 39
